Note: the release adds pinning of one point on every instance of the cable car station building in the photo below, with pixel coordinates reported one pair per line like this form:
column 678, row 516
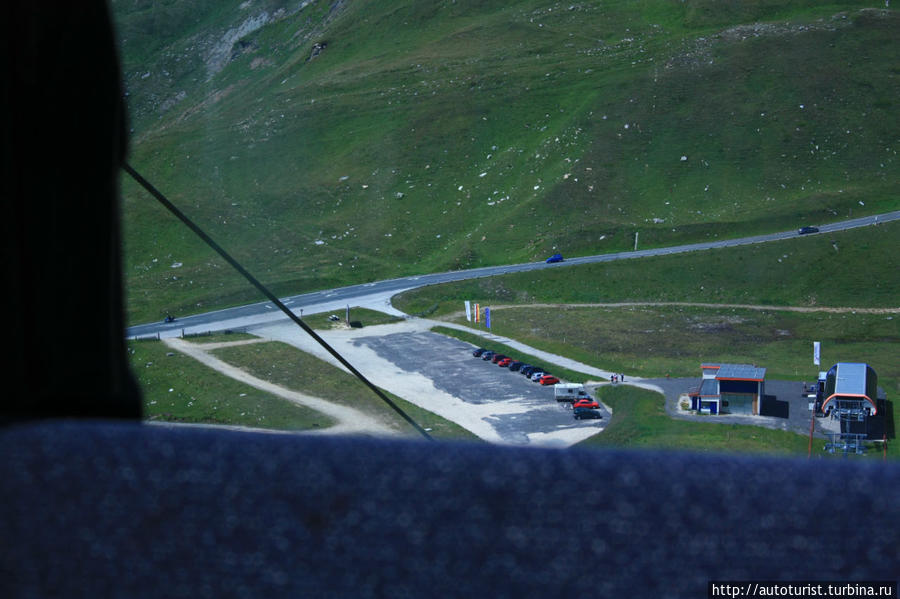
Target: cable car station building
column 850, row 387
column 729, row 389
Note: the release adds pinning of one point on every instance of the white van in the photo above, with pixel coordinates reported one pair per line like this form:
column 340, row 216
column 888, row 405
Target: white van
column 569, row 392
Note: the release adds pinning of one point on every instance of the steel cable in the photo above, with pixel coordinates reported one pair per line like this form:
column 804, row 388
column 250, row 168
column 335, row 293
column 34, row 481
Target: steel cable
column 162, row 199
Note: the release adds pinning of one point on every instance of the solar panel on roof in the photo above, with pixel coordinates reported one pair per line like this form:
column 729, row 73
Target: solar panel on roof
column 741, row 371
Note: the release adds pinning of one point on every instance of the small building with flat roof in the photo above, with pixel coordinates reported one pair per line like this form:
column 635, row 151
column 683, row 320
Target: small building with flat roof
column 729, row 389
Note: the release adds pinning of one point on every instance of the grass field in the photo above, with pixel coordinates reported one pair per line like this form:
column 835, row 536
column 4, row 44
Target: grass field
column 287, row 366
column 359, row 317
column 651, row 342
column 427, row 137
column 639, row 421
column 681, row 338
column 806, row 271
column 179, row 389
column 654, row 340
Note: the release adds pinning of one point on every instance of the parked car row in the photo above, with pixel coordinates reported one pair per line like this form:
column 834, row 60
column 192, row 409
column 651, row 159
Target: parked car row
column 586, row 408
column 582, row 408
column 532, row 372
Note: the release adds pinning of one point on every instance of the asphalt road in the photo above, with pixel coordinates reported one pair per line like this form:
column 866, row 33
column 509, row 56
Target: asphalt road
column 379, row 293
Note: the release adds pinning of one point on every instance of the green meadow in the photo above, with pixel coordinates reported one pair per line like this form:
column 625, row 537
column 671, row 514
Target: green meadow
column 325, row 144
column 432, row 136
column 177, row 388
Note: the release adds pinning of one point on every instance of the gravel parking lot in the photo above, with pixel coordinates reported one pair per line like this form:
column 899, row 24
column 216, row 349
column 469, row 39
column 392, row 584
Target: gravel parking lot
column 526, row 409
column 440, row 374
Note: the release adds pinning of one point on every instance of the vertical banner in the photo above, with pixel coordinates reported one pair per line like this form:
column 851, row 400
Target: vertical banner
column 817, row 349
column 487, row 317
column 477, row 313
column 468, row 311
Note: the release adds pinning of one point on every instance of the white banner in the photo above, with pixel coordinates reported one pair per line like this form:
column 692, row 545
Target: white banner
column 468, row 311
column 817, row 349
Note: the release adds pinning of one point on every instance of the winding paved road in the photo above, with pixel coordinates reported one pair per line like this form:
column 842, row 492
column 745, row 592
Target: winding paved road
column 377, row 295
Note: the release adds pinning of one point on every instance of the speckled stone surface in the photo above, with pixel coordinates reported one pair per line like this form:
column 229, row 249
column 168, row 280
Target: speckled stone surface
column 128, row 510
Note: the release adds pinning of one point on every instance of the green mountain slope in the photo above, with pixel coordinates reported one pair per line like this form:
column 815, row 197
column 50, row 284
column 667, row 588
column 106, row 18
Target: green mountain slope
column 327, row 143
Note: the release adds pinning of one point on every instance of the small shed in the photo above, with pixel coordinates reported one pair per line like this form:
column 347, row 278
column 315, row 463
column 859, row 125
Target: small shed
column 729, row 389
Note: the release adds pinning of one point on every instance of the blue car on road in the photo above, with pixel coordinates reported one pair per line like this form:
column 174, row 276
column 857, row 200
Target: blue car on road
column 555, row 258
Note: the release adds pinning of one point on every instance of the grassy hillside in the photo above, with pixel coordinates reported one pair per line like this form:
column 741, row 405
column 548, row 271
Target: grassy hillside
column 856, row 268
column 326, row 143
column 209, row 397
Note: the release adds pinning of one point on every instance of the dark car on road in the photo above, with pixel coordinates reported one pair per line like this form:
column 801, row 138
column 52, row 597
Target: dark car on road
column 807, row 230
column 515, row 365
column 487, row 355
column 585, row 413
column 477, row 352
column 527, row 369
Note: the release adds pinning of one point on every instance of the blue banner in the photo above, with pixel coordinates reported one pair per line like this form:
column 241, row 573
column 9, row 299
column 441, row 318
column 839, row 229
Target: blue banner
column 487, row 317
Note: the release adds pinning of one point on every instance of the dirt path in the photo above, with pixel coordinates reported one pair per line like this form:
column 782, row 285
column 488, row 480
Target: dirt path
column 827, row 309
column 349, row 420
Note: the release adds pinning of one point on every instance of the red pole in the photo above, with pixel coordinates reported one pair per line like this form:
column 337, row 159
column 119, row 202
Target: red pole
column 812, row 424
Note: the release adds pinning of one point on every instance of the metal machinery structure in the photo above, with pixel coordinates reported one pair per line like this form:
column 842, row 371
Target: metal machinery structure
column 848, row 393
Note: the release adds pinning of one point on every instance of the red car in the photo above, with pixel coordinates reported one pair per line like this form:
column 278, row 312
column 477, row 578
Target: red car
column 548, row 379
column 504, row 362
column 586, row 403
column 497, row 358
